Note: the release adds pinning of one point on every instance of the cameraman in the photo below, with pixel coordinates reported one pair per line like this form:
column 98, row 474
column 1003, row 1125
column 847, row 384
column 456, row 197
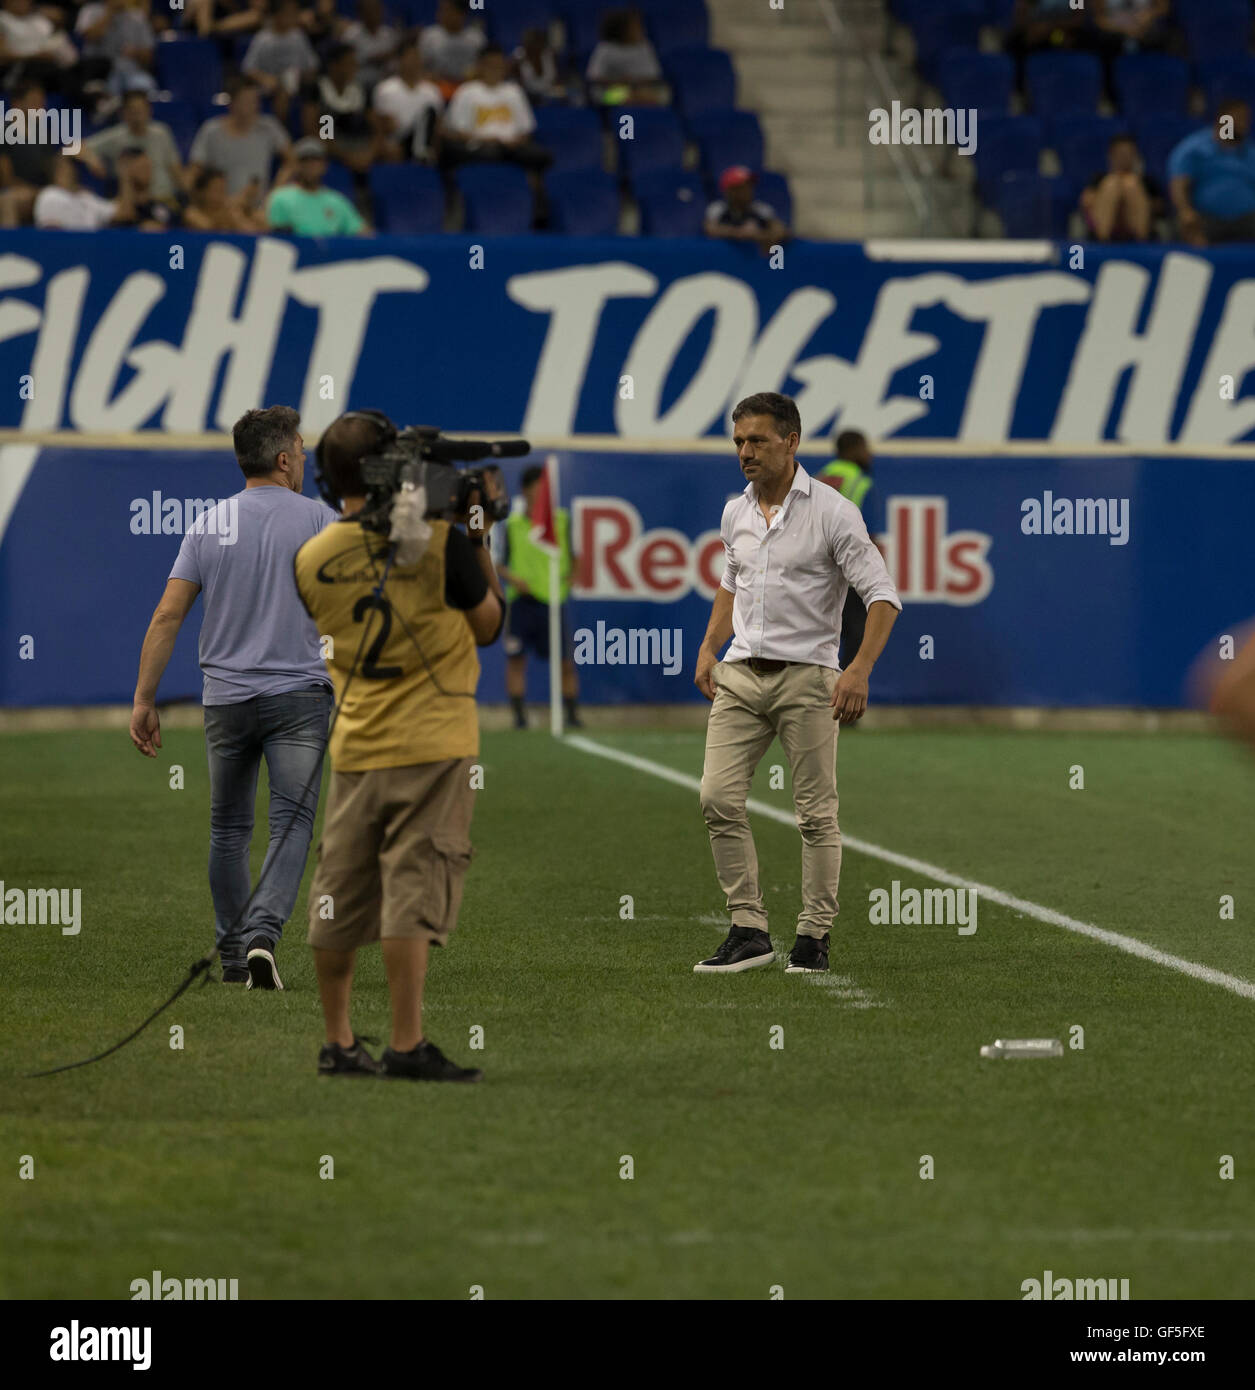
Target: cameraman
column 396, row 839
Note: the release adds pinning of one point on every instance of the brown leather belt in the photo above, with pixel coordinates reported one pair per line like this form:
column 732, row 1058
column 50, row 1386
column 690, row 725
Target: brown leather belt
column 768, row 666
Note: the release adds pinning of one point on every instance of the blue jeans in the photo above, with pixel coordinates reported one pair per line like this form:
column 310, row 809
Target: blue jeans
column 290, row 732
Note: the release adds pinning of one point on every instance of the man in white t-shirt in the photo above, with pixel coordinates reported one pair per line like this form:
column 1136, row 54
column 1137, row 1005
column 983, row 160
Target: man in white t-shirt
column 451, row 45
column 66, row 204
column 408, row 102
column 489, row 119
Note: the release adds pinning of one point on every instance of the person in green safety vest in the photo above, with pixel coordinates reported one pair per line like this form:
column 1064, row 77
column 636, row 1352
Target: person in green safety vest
column 524, row 570
column 851, row 474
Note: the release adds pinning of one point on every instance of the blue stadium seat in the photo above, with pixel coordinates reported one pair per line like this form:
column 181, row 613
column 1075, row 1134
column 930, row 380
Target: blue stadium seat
column 675, row 23
column 413, row 13
column 1007, row 144
column 773, row 188
column 1158, row 136
column 183, row 119
column 582, row 22
column 672, row 203
column 1230, row 76
column 1081, row 144
column 342, row 180
column 507, row 19
column 657, row 142
column 583, row 202
column 727, row 137
column 702, row 80
column 1063, row 84
column 1032, row 205
column 935, row 32
column 408, row 199
column 969, row 78
column 1147, row 83
column 189, row 69
column 572, row 134
column 1215, row 29
column 497, row 199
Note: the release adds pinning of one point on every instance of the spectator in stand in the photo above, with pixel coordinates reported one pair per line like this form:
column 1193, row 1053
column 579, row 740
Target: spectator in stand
column 408, row 105
column 451, row 46
column 1048, row 26
column 1132, row 26
column 355, row 138
column 1211, row 176
column 373, row 39
column 306, row 207
column 739, row 216
column 65, row 203
column 536, row 68
column 489, row 120
column 25, row 168
column 281, row 57
column 1119, row 205
column 623, row 67
column 118, row 33
column 242, row 144
column 210, row 209
column 137, row 127
column 136, row 206
column 35, row 49
column 228, row 17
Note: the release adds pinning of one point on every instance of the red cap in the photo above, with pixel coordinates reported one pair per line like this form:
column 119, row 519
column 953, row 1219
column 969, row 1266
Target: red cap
column 731, row 177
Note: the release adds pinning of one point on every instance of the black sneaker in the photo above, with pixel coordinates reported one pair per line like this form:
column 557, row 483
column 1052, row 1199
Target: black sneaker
column 425, row 1063
column 744, row 948
column 234, row 975
column 809, row 956
column 334, row 1060
column 262, row 971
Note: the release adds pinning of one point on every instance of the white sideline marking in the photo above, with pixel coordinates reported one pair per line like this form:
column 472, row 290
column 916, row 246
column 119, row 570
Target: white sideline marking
column 1235, row 984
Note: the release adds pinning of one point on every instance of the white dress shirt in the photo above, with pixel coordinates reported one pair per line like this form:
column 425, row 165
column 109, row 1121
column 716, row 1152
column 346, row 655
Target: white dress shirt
column 789, row 580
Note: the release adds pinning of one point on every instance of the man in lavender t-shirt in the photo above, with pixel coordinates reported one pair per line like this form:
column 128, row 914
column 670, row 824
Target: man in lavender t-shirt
column 266, row 691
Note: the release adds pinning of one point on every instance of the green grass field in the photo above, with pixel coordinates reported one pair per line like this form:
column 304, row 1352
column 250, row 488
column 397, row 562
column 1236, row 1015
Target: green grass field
column 753, row 1166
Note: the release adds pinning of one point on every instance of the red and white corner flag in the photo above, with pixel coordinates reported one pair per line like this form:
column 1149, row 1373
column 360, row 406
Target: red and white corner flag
column 545, row 534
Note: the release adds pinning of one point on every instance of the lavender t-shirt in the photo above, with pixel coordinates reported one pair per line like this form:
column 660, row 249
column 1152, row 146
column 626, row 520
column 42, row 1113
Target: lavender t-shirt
column 255, row 637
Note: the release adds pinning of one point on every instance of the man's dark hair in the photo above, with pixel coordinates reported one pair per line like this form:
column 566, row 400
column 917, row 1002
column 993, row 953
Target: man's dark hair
column 531, row 474
column 782, row 409
column 25, row 88
column 134, row 93
column 346, row 442
column 260, row 436
column 205, row 178
column 242, row 83
column 615, row 25
column 850, row 439
column 1121, row 137
column 339, row 52
column 492, row 50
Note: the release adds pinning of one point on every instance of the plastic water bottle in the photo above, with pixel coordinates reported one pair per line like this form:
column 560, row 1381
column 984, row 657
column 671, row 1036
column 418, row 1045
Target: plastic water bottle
column 1023, row 1047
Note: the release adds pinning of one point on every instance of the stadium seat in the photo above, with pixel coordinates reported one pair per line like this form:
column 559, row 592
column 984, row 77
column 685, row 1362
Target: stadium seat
column 773, row 188
column 507, row 20
column 408, row 199
column 1032, row 205
column 581, row 21
column 1081, row 144
column 702, row 80
column 1147, row 83
column 341, row 179
column 583, row 202
column 1158, row 136
column 413, row 13
column 1230, row 76
column 572, row 134
column 1007, row 144
column 183, row 119
column 497, row 199
column 657, row 141
column 672, row 203
column 1216, row 28
column 1063, row 84
column 725, row 138
column 674, row 24
column 984, row 81
column 189, row 69
column 935, row 32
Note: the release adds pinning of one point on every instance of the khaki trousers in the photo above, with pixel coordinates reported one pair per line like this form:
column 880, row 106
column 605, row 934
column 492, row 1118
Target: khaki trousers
column 748, row 712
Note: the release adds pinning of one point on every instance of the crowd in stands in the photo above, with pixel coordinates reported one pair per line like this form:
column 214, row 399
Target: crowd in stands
column 1116, row 120
column 342, row 117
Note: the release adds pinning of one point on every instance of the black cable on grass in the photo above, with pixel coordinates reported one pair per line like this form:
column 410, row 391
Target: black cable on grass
column 203, row 966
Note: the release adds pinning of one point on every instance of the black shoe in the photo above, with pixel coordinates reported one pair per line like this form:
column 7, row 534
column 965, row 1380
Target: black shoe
column 234, row 975
column 744, row 948
column 334, row 1060
column 262, row 971
column 425, row 1063
column 809, row 956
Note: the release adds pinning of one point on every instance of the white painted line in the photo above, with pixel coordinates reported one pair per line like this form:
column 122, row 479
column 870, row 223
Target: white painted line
column 1128, row 944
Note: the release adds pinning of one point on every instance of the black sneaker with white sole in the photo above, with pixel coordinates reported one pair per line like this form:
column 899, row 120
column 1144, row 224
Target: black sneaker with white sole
column 809, row 956
column 426, row 1062
column 262, row 971
column 744, row 948
column 334, row 1060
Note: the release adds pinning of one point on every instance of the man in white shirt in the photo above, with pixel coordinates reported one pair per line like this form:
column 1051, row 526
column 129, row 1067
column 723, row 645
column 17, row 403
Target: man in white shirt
column 489, row 119
column 65, row 204
column 793, row 549
column 451, row 45
column 408, row 102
